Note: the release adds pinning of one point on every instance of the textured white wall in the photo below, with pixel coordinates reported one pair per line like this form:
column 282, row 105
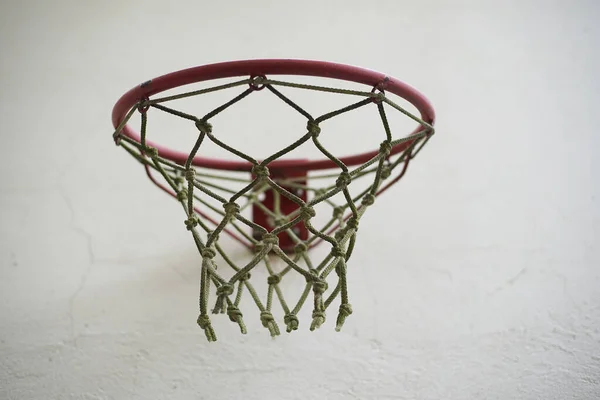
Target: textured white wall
column 490, row 290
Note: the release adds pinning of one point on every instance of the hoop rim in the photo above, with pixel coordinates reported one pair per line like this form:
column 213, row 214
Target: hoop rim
column 269, row 67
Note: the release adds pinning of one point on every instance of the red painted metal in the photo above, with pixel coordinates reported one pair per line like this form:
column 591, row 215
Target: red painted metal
column 266, row 68
column 279, row 168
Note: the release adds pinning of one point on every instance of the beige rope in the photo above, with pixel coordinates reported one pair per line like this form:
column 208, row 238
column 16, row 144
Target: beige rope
column 196, row 188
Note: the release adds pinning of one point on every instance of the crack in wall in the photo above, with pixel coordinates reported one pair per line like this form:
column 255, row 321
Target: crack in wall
column 91, row 258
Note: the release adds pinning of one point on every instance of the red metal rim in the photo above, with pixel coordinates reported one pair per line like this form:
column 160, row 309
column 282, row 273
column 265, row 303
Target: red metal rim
column 269, row 67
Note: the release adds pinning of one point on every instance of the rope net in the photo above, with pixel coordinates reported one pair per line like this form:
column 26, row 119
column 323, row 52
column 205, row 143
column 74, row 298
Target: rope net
column 217, row 203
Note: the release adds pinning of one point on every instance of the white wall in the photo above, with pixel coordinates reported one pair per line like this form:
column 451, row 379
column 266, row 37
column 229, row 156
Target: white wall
column 490, row 291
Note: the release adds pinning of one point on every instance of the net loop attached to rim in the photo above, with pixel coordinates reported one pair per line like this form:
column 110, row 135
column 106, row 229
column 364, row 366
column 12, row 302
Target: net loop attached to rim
column 215, row 203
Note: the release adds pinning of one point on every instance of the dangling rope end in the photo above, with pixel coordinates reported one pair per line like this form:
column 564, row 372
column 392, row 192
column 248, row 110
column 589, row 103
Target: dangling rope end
column 223, row 293
column 269, row 322
column 345, row 311
column 204, row 323
column 235, row 315
column 291, row 322
column 318, row 319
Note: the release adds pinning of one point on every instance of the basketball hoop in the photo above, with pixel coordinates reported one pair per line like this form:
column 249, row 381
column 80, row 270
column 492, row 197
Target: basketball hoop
column 281, row 194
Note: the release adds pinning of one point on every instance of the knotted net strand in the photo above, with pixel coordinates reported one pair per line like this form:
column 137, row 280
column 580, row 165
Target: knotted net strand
column 199, row 191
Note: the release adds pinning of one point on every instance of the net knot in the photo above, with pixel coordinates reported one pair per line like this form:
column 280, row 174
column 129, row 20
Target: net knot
column 269, row 322
column 339, row 234
column 203, row 126
column 386, row 172
column 385, row 148
column 273, row 279
column 300, row 248
column 151, row 152
column 338, row 211
column 245, row 277
column 266, row 317
column 343, row 180
column 260, row 171
column 190, row 174
column 368, row 200
column 313, row 128
column 352, row 223
column 225, row 289
column 143, row 105
column 318, row 319
column 234, row 313
column 178, row 180
column 182, row 195
column 336, row 251
column 307, row 213
column 258, row 247
column 258, row 82
column 208, row 252
column 344, row 312
column 319, row 286
column 378, row 97
column 117, row 137
column 269, row 238
column 204, row 321
column 192, row 222
column 231, row 209
column 291, row 321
